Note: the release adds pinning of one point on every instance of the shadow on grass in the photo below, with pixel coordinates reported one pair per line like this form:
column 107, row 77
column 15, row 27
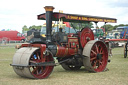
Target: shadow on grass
column 82, row 70
column 71, row 71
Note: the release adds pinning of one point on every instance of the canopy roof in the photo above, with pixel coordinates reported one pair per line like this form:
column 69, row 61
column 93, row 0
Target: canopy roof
column 77, row 18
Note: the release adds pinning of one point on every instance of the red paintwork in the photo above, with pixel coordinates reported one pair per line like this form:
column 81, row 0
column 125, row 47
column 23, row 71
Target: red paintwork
column 11, row 36
column 46, row 70
column 85, row 36
column 62, row 51
column 70, row 34
column 117, row 39
column 65, row 52
column 99, row 48
column 41, row 46
column 73, row 42
column 70, row 49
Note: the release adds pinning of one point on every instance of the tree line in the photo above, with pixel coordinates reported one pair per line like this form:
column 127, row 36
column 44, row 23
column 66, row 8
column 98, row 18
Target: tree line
column 78, row 26
column 25, row 28
column 109, row 27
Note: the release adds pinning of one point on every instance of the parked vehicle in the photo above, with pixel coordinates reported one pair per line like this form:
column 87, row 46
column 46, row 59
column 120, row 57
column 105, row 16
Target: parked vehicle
column 123, row 31
column 98, row 32
column 11, row 36
column 114, row 34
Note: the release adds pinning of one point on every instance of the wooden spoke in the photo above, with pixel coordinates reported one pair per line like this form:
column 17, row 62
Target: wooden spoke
column 93, row 58
column 97, row 49
column 94, row 52
column 101, row 50
column 38, row 56
column 95, row 64
column 35, row 70
column 31, row 61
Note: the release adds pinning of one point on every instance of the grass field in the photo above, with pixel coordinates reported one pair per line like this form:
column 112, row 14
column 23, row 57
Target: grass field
column 117, row 74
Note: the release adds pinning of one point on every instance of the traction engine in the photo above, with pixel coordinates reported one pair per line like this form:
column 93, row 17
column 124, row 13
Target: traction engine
column 72, row 51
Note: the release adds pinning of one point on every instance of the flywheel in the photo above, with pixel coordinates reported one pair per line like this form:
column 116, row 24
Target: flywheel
column 86, row 35
column 95, row 56
column 23, row 59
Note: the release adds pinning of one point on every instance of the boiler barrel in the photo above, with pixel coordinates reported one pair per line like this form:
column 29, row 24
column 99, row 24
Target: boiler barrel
column 60, row 51
column 65, row 52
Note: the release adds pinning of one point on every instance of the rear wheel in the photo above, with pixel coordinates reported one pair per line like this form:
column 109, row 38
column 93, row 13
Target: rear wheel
column 96, row 56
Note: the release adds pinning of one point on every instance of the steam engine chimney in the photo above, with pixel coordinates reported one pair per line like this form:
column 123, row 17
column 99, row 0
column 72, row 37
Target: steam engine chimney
column 49, row 12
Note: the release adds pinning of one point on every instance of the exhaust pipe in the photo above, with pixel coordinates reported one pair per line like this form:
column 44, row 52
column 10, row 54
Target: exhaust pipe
column 49, row 12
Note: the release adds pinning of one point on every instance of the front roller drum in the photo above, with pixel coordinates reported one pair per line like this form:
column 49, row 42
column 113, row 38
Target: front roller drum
column 23, row 59
column 95, row 56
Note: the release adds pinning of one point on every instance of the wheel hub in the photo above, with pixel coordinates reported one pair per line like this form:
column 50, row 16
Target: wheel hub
column 99, row 56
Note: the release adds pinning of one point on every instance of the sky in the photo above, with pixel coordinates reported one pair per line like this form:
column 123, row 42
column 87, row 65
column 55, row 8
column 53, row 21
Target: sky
column 14, row 14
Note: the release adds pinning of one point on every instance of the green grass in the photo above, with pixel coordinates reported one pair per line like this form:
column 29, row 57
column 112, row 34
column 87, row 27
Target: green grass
column 117, row 74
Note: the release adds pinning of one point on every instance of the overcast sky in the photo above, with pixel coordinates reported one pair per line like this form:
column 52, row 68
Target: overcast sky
column 14, row 14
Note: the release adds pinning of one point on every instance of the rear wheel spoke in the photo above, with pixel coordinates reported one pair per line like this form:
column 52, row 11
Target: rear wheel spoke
column 95, row 64
column 100, row 62
column 97, row 49
column 92, row 58
column 93, row 52
column 101, row 50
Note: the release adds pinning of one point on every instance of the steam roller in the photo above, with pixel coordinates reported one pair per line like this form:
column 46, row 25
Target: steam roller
column 72, row 50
